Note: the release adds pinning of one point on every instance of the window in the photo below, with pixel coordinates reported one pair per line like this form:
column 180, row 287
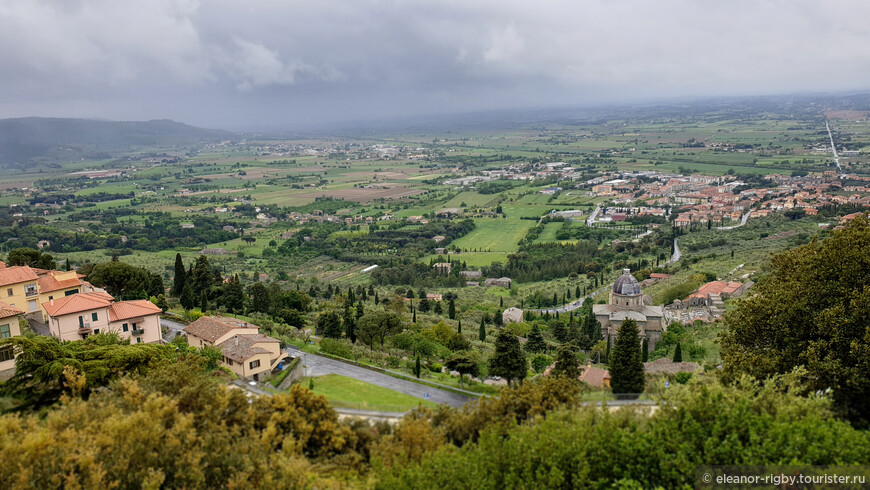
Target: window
column 254, row 364
column 5, row 332
column 124, row 327
column 9, row 292
column 71, row 291
column 96, row 331
column 134, row 326
column 6, row 353
column 50, row 298
column 138, row 340
column 94, row 316
column 31, row 305
column 81, row 321
column 30, row 290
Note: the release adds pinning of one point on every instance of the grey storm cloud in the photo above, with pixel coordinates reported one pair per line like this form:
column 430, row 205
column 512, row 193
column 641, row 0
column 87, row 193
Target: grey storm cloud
column 225, row 63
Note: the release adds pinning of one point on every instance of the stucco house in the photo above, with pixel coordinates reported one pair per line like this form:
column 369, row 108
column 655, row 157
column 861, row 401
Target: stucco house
column 246, row 351
column 27, row 288
column 512, row 315
column 76, row 316
column 8, row 328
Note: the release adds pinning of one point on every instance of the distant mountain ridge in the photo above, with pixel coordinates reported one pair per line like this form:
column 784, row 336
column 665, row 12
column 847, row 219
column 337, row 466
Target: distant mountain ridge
column 29, row 140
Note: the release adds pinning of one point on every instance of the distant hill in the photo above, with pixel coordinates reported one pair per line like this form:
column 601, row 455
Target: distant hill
column 30, row 140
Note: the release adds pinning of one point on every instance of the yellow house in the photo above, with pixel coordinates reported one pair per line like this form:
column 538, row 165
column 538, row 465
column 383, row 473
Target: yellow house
column 246, row 351
column 26, row 288
column 8, row 328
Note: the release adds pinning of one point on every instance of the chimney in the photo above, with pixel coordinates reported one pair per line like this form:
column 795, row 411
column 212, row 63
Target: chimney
column 51, row 301
column 626, row 271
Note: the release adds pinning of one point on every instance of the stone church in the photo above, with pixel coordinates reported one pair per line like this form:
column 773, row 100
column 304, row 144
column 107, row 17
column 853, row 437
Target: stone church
column 626, row 301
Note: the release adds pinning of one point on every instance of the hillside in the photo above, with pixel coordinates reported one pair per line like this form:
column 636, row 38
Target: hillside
column 24, row 141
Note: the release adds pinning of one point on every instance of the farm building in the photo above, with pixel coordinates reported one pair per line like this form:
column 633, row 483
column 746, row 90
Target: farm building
column 512, row 315
column 502, row 282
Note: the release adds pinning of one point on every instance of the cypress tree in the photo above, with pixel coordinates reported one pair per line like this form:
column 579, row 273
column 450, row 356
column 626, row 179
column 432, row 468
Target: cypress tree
column 186, row 297
column 413, row 315
column 180, row 277
column 607, row 352
column 645, row 356
column 678, row 353
column 360, row 311
column 451, row 309
column 417, row 367
column 626, row 367
column 482, row 333
column 459, row 329
column 577, row 291
column 501, row 302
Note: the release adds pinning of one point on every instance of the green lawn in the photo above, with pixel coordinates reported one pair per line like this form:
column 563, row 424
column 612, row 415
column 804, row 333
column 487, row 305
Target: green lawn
column 495, row 235
column 346, row 392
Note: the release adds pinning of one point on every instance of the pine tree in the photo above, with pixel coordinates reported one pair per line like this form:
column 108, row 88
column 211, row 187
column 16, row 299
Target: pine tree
column 626, row 367
column 451, row 309
column 645, row 346
column 678, row 353
column 424, row 305
column 437, row 308
column 535, row 341
column 566, row 363
column 186, row 298
column 180, row 277
column 482, row 333
column 203, row 301
column 508, row 360
column 329, row 325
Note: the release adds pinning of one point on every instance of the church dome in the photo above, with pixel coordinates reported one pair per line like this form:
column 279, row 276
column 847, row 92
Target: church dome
column 626, row 284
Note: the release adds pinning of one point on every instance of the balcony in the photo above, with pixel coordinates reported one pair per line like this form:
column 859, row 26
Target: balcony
column 85, row 330
column 30, row 292
column 137, row 331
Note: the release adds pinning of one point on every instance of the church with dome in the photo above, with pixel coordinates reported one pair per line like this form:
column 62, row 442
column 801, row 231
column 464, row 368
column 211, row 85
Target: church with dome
column 626, row 301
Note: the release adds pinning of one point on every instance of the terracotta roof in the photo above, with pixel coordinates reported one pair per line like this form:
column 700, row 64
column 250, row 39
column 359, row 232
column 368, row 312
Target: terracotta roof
column 49, row 283
column 16, row 274
column 212, row 328
column 123, row 310
column 715, row 287
column 595, row 376
column 665, row 365
column 6, row 310
column 76, row 303
column 242, row 347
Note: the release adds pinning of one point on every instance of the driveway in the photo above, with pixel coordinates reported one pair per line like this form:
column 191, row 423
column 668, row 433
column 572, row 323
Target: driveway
column 318, row 366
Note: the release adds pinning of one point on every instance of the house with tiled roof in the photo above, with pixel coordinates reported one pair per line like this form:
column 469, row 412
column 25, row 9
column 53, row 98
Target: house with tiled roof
column 26, row 288
column 9, row 317
column 246, row 351
column 76, row 316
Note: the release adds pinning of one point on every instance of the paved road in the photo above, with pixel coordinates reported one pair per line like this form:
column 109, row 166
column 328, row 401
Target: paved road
column 592, row 216
column 572, row 306
column 834, row 148
column 742, row 222
column 676, row 255
column 173, row 328
column 318, row 365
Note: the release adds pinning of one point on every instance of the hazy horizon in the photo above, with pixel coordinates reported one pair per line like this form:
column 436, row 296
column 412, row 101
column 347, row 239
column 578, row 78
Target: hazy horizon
column 306, row 65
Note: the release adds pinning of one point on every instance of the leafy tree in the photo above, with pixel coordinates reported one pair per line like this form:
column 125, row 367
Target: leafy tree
column 213, row 355
column 30, row 257
column 329, row 325
column 292, row 317
column 626, row 367
column 678, row 353
column 508, row 360
column 179, row 278
column 540, row 362
column 810, row 311
column 160, row 302
column 125, row 281
column 535, row 341
column 566, row 362
column 377, row 326
column 464, row 362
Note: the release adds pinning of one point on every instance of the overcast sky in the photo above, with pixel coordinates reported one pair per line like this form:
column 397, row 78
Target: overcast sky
column 279, row 63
